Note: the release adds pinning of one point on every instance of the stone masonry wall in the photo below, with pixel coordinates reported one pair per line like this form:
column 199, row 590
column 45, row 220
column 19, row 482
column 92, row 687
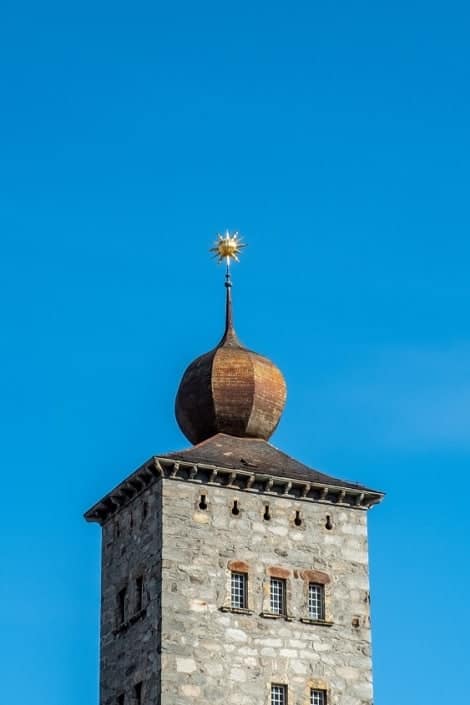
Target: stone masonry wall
column 212, row 655
column 130, row 649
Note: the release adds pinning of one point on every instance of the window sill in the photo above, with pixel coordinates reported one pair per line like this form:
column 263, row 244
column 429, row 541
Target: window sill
column 318, row 622
column 265, row 615
column 236, row 610
column 275, row 615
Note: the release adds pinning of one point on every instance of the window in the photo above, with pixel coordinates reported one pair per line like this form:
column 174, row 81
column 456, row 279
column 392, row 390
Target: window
column 239, row 584
column 316, row 602
column 139, row 593
column 278, row 596
column 122, row 605
column 138, row 693
column 121, row 699
column 278, row 694
column 317, row 697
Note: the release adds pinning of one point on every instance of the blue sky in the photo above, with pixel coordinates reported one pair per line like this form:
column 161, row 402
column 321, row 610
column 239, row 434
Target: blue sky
column 335, row 137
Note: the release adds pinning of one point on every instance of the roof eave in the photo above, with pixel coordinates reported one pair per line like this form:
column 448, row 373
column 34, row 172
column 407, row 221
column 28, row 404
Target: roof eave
column 157, row 468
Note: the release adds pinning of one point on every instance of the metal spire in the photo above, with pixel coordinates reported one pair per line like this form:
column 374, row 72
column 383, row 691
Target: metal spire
column 227, row 248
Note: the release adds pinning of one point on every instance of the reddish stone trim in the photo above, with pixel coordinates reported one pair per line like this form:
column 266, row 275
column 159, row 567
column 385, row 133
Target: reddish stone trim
column 315, row 576
column 277, row 572
column 238, row 566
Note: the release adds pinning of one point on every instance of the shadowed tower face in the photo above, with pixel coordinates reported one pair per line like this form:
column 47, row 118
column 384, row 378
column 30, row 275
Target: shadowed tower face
column 230, row 571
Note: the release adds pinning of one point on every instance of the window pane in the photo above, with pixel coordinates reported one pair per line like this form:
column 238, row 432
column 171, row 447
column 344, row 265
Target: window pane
column 317, row 697
column 278, row 596
column 316, row 601
column 239, row 590
column 278, row 695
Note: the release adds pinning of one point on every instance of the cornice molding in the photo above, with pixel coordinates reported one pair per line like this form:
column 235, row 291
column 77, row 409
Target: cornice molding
column 157, row 469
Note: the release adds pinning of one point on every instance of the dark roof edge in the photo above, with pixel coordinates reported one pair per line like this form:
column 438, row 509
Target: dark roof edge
column 158, row 468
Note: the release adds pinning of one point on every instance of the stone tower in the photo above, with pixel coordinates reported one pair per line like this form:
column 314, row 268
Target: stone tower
column 230, row 571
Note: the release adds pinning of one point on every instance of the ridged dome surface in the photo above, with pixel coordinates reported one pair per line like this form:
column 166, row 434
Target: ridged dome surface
column 230, row 390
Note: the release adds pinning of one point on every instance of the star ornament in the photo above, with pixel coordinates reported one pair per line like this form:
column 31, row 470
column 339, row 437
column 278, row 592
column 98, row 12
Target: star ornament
column 227, row 247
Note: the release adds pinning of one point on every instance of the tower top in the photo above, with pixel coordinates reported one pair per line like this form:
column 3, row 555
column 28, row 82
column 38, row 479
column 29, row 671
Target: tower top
column 230, row 389
column 228, row 404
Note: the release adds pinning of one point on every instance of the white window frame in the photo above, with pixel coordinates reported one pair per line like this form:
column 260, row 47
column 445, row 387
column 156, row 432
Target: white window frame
column 316, row 601
column 239, row 589
column 277, row 596
column 317, row 696
column 278, row 694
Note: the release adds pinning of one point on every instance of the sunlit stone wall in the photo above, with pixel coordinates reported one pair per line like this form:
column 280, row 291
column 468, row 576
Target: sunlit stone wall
column 211, row 654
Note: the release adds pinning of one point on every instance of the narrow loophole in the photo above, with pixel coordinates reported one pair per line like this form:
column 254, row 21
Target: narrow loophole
column 329, row 524
column 235, row 509
column 266, row 514
column 298, row 519
column 203, row 503
column 122, row 605
column 145, row 509
column 138, row 693
column 139, row 593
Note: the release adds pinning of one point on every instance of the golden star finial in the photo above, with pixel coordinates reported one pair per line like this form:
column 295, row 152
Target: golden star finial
column 227, row 247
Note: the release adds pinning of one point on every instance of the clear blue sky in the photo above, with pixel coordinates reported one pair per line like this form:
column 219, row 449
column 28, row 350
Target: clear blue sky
column 335, row 137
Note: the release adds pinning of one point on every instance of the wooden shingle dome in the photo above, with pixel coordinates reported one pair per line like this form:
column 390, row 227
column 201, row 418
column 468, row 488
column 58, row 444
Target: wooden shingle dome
column 230, row 390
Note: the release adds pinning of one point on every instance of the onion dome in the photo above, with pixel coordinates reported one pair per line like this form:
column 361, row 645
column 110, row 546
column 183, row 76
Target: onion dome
column 230, row 390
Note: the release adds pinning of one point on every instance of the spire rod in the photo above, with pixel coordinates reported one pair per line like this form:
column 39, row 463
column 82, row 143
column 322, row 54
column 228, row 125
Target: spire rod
column 229, row 330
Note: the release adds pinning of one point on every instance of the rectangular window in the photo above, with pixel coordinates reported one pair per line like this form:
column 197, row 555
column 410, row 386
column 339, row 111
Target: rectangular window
column 317, row 697
column 122, row 605
column 139, row 593
column 278, row 694
column 138, row 693
column 316, row 601
column 278, row 596
column 239, row 585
